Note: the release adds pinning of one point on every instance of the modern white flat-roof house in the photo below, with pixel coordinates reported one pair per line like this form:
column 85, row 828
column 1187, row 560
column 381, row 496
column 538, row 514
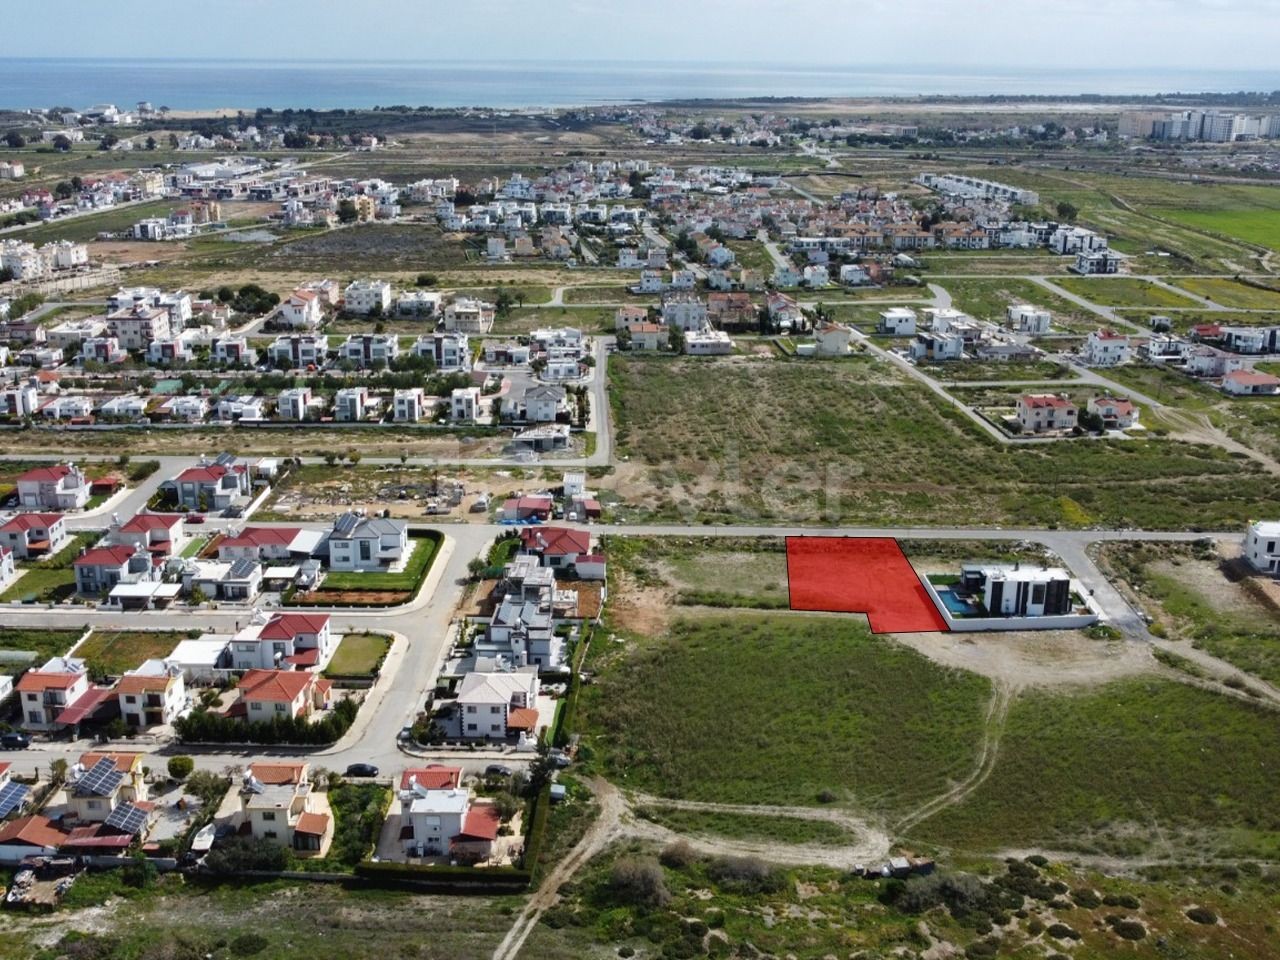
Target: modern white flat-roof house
column 1262, row 546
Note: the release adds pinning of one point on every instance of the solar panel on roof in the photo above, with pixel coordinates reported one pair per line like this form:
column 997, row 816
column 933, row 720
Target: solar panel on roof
column 345, row 524
column 225, row 459
column 12, row 796
column 243, row 567
column 101, row 779
column 127, row 818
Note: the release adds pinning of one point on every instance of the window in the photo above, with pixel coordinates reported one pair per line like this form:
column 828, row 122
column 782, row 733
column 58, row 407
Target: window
column 279, row 708
column 366, row 550
column 130, row 698
column 472, row 728
column 94, row 804
column 34, row 716
column 471, row 708
column 495, row 728
column 255, row 706
column 495, row 709
column 1037, row 593
column 269, row 815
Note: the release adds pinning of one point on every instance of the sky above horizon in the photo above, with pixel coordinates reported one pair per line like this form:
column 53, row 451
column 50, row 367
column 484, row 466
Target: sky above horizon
column 1112, row 34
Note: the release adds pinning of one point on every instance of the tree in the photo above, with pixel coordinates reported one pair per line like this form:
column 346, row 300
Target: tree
column 181, row 767
column 639, row 882
column 347, row 212
column 426, row 280
column 14, row 139
column 675, row 338
column 62, row 143
column 108, row 141
column 151, row 143
column 62, row 190
column 1067, row 211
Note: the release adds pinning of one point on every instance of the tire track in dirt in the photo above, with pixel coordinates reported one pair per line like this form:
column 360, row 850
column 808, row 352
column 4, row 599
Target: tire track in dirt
column 997, row 712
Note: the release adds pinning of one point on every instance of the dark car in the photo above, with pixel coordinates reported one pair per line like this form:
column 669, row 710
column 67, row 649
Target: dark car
column 362, row 770
column 497, row 770
column 15, row 741
column 195, row 518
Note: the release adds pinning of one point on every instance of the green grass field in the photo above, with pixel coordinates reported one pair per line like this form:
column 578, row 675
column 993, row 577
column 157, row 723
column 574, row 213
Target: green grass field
column 1233, row 293
column 1123, row 292
column 1135, row 766
column 1259, row 225
column 42, row 643
column 756, row 708
column 850, row 441
column 112, row 652
column 359, row 654
column 88, row 227
column 989, row 300
column 1013, row 370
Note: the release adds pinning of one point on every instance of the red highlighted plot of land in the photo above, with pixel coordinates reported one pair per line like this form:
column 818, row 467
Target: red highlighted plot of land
column 860, row 575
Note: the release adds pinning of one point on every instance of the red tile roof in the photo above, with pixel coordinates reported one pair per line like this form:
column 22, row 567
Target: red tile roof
column 433, row 777
column 522, row 718
column 313, row 824
column 46, row 474
column 114, row 556
column 146, row 522
column 142, row 683
column 34, row 831
column 286, row 626
column 34, row 681
column 556, row 541
column 278, row 773
column 261, row 537
column 124, row 762
column 482, row 823
column 29, row 521
column 280, row 686
column 1252, row 378
column 1038, row 401
column 85, row 705
column 209, row 474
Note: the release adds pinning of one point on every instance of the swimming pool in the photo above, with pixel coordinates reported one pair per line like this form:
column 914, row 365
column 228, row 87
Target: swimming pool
column 958, row 606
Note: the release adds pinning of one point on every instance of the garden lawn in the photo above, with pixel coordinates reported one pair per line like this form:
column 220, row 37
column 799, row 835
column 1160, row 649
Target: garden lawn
column 358, row 655
column 851, row 441
column 52, row 580
column 112, row 652
column 1123, row 292
column 777, row 709
column 1131, row 766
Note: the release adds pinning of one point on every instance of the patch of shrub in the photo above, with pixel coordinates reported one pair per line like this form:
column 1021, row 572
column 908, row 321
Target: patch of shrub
column 827, row 796
column 248, row 944
column 746, row 875
column 625, row 952
column 1037, row 860
column 1035, row 927
column 1059, row 887
column 1129, row 930
column 678, row 855
column 1126, row 900
column 639, row 881
column 1202, row 915
column 1060, row 931
column 181, row 767
column 1057, row 903
column 983, row 948
column 1086, row 898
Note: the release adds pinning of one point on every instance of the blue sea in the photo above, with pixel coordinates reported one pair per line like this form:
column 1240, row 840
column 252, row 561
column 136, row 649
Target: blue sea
column 247, row 84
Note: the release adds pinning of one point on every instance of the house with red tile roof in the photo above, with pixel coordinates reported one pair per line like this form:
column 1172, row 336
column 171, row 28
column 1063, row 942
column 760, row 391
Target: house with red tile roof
column 99, row 782
column 60, row 487
column 277, row 803
column 45, row 693
column 1117, row 413
column 153, row 694
column 160, row 534
column 434, row 776
column 24, row 837
column 555, row 547
column 268, row 544
column 1046, row 413
column 210, row 486
column 287, row 641
column 1250, row 383
column 266, row 694
column 100, row 569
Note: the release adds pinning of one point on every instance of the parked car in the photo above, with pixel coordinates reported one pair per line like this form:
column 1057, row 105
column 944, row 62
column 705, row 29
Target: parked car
column 559, row 758
column 497, row 770
column 15, row 741
column 405, row 734
column 362, row 770
column 195, row 518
